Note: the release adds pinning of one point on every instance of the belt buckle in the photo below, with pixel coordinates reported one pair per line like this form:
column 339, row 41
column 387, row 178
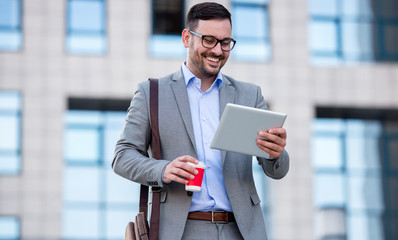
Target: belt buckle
column 214, row 221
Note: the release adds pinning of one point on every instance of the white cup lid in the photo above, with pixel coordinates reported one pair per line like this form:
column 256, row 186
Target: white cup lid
column 200, row 164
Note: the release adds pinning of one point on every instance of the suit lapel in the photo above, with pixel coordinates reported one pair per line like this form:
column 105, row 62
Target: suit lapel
column 227, row 95
column 181, row 96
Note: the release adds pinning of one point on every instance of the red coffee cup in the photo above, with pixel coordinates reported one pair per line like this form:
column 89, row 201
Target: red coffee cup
column 195, row 185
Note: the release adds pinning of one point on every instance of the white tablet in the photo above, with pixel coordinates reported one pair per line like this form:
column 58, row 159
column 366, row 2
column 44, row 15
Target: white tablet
column 238, row 128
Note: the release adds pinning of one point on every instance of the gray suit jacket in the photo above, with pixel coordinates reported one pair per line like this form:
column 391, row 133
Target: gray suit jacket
column 131, row 159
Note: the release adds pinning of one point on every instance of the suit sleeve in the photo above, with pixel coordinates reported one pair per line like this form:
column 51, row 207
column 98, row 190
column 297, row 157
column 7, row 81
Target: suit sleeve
column 131, row 159
column 279, row 167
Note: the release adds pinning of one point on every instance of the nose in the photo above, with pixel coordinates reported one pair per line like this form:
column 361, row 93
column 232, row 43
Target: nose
column 217, row 49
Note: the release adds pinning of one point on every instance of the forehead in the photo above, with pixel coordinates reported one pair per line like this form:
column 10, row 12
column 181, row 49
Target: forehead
column 219, row 28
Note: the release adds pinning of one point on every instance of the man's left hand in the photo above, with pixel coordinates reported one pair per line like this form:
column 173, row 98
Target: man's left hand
column 272, row 141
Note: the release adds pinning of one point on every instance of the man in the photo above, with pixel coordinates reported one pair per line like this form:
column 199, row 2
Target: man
column 190, row 104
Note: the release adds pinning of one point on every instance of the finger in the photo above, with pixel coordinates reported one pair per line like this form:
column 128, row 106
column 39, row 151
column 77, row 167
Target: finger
column 273, row 138
column 270, row 145
column 278, row 131
column 273, row 154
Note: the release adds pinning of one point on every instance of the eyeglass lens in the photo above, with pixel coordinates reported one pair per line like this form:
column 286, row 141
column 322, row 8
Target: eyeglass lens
column 211, row 42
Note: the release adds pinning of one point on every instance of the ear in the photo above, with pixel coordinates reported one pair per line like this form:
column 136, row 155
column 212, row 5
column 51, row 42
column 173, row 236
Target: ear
column 186, row 35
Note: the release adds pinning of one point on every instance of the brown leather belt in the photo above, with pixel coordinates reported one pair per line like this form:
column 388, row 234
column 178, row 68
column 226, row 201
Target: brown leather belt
column 214, row 216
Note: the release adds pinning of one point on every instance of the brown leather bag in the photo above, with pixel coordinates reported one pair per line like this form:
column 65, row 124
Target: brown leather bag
column 139, row 229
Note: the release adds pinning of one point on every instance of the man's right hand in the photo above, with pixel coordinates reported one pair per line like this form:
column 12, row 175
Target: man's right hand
column 179, row 169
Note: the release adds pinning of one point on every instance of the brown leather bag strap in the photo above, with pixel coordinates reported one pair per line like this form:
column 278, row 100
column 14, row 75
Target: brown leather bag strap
column 154, row 111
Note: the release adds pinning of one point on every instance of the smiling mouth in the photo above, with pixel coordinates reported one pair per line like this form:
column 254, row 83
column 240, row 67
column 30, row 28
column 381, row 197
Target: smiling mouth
column 213, row 59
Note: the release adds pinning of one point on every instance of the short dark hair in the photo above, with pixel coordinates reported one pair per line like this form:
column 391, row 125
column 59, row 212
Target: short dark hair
column 206, row 11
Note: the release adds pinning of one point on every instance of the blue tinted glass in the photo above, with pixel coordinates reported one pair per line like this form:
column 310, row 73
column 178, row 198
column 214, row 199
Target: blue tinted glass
column 250, row 22
column 252, row 50
column 366, row 192
column 329, row 189
column 86, row 27
column 9, row 129
column 323, row 7
column 80, row 117
column 82, row 184
column 81, row 223
column 10, row 100
column 327, row 152
column 86, row 15
column 10, row 163
column 10, row 16
column 81, row 43
column 357, row 40
column 9, row 228
column 82, row 145
column 323, row 36
column 116, row 221
column 166, row 46
column 113, row 125
column 390, row 40
column 357, row 8
column 325, row 125
column 116, row 189
column 365, row 227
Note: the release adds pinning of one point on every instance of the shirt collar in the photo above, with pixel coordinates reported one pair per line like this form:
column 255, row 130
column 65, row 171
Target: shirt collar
column 189, row 76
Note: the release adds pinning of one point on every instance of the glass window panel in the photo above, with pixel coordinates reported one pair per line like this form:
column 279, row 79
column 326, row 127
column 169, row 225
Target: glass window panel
column 121, row 190
column 166, row 46
column 251, row 50
column 9, row 13
column 357, row 8
column 86, row 15
column 323, row 36
column 364, row 127
column 393, row 154
column 10, row 40
column 82, row 184
column 328, row 125
column 365, row 227
column 329, row 189
column 393, row 193
column 390, row 40
column 10, row 101
column 366, row 192
column 9, row 228
column 363, row 153
column 357, row 39
column 323, row 7
column 327, row 152
column 388, row 8
column 86, row 44
column 250, row 22
column 81, row 224
column 9, row 129
column 116, row 221
column 82, row 145
column 168, row 17
column 10, row 164
column 93, row 118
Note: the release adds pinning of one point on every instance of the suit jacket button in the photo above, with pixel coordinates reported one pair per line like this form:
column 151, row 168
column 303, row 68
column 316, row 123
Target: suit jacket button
column 189, row 193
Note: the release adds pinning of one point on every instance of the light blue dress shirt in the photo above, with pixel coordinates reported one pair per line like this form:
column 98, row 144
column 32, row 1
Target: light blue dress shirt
column 205, row 113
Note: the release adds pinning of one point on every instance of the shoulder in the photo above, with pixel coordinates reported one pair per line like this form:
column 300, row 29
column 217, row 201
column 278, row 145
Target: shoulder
column 240, row 85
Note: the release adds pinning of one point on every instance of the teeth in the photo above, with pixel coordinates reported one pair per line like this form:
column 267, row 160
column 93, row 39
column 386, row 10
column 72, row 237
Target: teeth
column 213, row 59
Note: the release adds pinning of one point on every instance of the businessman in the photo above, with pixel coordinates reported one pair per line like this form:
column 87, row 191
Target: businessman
column 191, row 101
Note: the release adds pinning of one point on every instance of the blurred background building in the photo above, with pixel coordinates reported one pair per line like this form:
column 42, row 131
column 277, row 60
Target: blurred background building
column 68, row 69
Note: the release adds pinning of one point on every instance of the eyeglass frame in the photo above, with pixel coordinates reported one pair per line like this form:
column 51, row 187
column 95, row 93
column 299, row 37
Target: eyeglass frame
column 218, row 40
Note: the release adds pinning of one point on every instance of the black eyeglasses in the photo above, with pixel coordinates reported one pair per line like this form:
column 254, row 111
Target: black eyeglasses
column 210, row 42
